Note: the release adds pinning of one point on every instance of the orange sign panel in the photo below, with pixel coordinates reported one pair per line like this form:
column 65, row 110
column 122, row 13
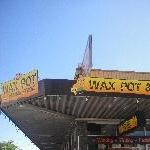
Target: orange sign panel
column 104, row 85
column 24, row 86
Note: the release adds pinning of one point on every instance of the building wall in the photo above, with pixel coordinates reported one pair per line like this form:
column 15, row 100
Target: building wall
column 120, row 74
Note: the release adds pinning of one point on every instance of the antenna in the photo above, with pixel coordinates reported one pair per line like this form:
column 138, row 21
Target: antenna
column 87, row 59
column 85, row 67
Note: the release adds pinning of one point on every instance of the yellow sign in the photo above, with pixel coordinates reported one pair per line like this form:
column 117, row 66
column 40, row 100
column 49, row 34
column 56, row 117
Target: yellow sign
column 128, row 125
column 102, row 85
column 24, row 86
column 135, row 121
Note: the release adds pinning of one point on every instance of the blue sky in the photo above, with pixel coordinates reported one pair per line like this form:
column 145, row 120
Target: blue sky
column 51, row 35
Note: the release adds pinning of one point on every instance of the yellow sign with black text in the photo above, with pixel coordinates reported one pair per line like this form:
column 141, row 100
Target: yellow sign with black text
column 104, row 85
column 133, row 122
column 25, row 85
column 128, row 125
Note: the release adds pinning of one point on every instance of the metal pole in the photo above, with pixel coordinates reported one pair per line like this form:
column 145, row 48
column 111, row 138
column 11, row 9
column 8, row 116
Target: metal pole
column 78, row 144
column 145, row 131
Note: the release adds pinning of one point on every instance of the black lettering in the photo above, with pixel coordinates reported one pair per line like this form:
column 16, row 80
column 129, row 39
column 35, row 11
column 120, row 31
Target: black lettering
column 123, row 85
column 28, row 81
column 33, row 78
column 5, row 89
column 112, row 85
column 29, row 89
column 95, row 84
column 107, row 87
column 15, row 86
column 23, row 83
column 10, row 88
column 15, row 94
column 103, row 86
column 130, row 86
column 147, row 87
column 138, row 86
column 91, row 85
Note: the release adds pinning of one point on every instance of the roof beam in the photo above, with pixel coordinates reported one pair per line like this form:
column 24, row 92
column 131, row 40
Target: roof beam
column 99, row 106
column 71, row 100
column 104, row 108
column 64, row 103
column 125, row 108
column 58, row 99
column 99, row 121
column 104, row 121
column 94, row 105
column 87, row 106
column 78, row 99
column 81, row 107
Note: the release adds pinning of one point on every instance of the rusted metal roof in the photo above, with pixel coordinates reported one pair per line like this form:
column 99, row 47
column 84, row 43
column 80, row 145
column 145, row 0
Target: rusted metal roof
column 94, row 106
column 47, row 129
column 46, row 120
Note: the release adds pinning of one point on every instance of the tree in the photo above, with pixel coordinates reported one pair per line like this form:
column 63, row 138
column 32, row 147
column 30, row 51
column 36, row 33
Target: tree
column 8, row 146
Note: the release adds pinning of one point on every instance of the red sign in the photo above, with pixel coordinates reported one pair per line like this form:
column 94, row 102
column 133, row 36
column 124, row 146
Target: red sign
column 119, row 140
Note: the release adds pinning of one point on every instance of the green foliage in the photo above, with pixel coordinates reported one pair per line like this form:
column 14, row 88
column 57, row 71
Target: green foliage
column 8, row 146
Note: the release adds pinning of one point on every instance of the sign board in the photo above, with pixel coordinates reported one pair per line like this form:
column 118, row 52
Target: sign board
column 131, row 123
column 25, row 85
column 119, row 139
column 104, row 85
